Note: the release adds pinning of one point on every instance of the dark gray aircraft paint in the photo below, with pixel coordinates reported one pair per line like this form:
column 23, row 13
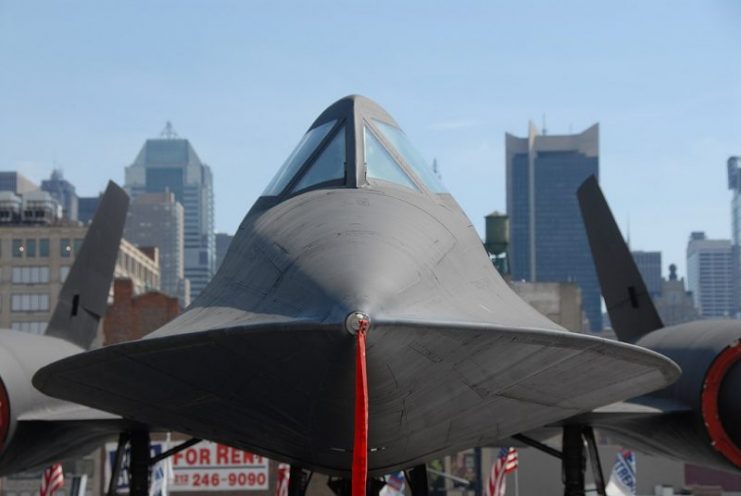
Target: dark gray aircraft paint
column 262, row 359
column 35, row 429
column 698, row 418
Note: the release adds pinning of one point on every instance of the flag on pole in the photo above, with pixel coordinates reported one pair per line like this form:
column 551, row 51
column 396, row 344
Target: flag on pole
column 505, row 463
column 623, row 477
column 161, row 474
column 394, row 485
column 284, row 474
column 52, row 480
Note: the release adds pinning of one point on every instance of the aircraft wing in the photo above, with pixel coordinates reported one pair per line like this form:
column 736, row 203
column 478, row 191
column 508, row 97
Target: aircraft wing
column 430, row 384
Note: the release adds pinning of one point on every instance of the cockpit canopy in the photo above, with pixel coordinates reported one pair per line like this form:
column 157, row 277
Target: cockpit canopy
column 354, row 143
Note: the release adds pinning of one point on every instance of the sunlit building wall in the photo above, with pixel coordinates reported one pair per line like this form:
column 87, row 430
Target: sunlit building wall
column 710, row 275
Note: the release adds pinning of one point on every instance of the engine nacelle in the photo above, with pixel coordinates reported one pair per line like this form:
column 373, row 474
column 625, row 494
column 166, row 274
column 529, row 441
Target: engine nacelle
column 709, row 353
column 25, row 445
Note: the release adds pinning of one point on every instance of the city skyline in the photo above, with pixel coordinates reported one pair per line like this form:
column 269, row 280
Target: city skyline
column 243, row 86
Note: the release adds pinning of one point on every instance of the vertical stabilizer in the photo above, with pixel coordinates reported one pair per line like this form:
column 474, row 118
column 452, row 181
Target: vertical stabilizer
column 629, row 304
column 84, row 295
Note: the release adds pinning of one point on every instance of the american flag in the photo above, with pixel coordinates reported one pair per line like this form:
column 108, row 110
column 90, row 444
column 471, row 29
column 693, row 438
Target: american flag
column 284, row 474
column 52, row 480
column 505, row 463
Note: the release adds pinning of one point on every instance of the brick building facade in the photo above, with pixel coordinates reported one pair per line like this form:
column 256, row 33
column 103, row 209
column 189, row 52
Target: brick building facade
column 134, row 316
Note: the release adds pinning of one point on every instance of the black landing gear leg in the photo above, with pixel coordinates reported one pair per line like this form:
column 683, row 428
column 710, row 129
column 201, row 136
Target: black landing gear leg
column 574, row 460
column 298, row 481
column 417, row 480
column 140, row 468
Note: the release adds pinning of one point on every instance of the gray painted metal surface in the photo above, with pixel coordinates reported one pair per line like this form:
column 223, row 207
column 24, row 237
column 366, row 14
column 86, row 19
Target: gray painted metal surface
column 84, row 296
column 261, row 360
column 676, row 425
column 42, row 429
column 632, row 313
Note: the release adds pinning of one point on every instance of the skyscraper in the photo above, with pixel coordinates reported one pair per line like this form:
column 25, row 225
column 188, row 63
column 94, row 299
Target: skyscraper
column 64, row 192
column 710, row 275
column 649, row 265
column 548, row 242
column 734, row 184
column 223, row 240
column 171, row 164
column 156, row 219
column 86, row 207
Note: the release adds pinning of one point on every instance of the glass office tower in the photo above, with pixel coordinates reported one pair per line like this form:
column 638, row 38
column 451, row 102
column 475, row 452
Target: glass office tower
column 547, row 236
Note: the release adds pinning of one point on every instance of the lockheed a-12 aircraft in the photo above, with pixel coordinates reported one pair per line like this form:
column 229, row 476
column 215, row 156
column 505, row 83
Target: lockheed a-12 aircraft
column 35, row 429
column 356, row 327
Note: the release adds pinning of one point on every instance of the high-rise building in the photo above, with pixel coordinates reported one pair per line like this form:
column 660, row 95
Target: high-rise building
column 62, row 191
column 86, row 207
column 16, row 182
column 548, row 242
column 710, row 275
column 157, row 219
column 734, row 184
column 223, row 240
column 649, row 265
column 171, row 164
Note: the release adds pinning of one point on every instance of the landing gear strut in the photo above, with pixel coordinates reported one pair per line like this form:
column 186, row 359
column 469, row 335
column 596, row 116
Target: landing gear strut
column 574, row 458
column 140, row 461
column 417, row 479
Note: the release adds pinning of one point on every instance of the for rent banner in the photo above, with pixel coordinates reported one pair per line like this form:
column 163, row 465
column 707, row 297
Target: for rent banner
column 205, row 466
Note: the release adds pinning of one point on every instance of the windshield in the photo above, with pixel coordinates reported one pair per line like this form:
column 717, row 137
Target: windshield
column 296, row 159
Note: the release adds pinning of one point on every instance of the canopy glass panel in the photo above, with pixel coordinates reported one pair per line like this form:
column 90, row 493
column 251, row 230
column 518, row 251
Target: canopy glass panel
column 330, row 165
column 411, row 156
column 381, row 165
column 296, row 159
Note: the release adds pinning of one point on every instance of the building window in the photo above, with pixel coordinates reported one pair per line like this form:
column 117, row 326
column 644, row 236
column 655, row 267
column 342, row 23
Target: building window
column 63, row 273
column 30, row 247
column 35, row 302
column 44, row 247
column 32, row 327
column 65, row 248
column 18, row 248
column 31, row 275
column 78, row 245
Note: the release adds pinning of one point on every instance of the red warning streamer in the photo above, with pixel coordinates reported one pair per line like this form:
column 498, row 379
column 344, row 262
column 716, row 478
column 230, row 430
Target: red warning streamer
column 360, row 445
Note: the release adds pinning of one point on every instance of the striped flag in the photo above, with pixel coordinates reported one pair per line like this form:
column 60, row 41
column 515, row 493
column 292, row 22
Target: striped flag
column 284, row 475
column 52, row 480
column 505, row 463
column 623, row 478
column 395, row 483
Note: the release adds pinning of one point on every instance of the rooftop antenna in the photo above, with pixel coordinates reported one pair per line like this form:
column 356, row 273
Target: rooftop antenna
column 545, row 130
column 169, row 132
column 436, row 169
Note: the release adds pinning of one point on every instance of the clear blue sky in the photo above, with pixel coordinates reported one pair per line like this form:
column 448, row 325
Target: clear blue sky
column 83, row 84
